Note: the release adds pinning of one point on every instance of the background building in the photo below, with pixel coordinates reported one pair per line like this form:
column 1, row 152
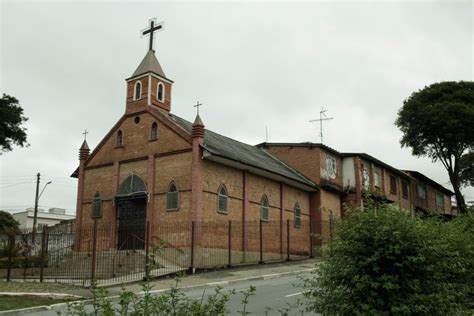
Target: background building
column 51, row 217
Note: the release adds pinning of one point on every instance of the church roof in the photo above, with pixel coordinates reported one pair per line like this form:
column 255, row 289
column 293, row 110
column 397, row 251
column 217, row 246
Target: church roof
column 246, row 154
column 149, row 64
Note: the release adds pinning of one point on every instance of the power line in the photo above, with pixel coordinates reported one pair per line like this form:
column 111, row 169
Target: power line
column 12, row 185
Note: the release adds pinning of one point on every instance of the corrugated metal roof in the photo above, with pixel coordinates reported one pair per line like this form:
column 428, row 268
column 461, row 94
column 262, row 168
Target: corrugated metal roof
column 244, row 153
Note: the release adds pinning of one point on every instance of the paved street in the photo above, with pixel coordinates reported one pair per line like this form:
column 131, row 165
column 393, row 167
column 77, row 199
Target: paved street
column 275, row 293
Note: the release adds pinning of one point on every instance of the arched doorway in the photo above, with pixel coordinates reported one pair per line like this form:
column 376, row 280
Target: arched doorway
column 131, row 199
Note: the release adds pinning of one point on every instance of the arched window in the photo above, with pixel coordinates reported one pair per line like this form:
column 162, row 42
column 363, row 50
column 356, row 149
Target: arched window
column 132, row 185
column 137, row 91
column 172, row 197
column 222, row 200
column 96, row 206
column 154, row 131
column 119, row 141
column 264, row 209
column 160, row 92
column 297, row 211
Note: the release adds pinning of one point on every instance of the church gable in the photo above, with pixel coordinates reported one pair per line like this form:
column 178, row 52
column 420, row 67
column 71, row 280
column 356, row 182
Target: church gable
column 139, row 135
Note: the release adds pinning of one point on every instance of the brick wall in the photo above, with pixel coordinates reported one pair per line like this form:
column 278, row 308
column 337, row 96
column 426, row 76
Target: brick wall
column 136, row 141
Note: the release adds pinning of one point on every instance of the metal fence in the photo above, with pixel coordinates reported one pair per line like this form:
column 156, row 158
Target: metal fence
column 111, row 255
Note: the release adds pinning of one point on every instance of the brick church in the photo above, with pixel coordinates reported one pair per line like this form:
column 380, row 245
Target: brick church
column 154, row 168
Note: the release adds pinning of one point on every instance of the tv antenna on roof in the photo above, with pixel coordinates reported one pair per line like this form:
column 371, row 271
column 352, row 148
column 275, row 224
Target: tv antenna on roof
column 322, row 117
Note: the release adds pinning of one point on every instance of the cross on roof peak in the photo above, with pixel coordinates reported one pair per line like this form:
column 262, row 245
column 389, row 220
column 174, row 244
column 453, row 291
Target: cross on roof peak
column 85, row 134
column 197, row 106
column 153, row 27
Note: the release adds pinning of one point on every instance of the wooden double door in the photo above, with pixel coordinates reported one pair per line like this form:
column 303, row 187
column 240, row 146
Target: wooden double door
column 131, row 222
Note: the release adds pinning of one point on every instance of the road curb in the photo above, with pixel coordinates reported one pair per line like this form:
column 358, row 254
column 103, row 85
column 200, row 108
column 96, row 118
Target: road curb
column 59, row 306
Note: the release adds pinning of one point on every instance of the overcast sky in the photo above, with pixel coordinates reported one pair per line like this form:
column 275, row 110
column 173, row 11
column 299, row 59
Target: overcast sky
column 250, row 64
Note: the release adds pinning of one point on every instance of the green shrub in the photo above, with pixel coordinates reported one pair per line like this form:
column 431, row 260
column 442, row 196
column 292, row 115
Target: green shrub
column 174, row 303
column 383, row 261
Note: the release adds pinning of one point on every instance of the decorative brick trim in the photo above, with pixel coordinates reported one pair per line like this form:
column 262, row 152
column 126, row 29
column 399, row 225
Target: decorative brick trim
column 175, row 152
column 133, row 160
column 229, row 196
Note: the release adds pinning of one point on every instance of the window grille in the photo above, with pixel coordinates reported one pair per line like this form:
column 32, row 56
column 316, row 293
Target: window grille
column 160, row 94
column 297, row 216
column 393, row 184
column 264, row 209
column 96, row 206
column 138, row 91
column 172, row 197
column 405, row 189
column 222, row 200
column 421, row 192
column 154, row 131
column 119, row 142
column 439, row 200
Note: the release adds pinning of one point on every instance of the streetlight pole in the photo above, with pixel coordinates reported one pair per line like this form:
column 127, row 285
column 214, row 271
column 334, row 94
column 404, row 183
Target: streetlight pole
column 37, row 197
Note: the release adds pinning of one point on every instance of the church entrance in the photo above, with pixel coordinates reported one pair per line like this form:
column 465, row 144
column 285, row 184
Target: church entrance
column 132, row 200
column 131, row 223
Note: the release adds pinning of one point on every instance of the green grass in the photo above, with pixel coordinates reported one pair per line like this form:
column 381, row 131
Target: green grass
column 23, row 301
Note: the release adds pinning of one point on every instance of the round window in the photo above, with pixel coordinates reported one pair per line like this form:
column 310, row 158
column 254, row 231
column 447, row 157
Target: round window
column 137, row 119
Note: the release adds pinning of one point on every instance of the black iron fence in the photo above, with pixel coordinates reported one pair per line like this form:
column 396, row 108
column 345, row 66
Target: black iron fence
column 109, row 255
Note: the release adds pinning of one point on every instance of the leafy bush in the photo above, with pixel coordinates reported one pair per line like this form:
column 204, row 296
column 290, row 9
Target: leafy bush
column 174, row 302
column 383, row 261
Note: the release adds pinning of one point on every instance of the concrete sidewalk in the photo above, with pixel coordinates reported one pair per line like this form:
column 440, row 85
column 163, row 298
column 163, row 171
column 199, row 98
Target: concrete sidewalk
column 226, row 276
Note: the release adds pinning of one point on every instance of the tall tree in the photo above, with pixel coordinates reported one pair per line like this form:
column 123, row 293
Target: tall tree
column 437, row 122
column 11, row 120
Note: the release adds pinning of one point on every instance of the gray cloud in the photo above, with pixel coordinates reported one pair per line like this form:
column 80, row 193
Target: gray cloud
column 251, row 64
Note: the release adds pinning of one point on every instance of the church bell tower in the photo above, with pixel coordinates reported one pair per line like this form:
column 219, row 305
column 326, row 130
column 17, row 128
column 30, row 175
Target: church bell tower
column 148, row 85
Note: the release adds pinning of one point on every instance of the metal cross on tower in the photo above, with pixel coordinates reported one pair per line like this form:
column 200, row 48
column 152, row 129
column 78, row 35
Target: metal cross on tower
column 85, row 134
column 322, row 117
column 153, row 28
column 197, row 106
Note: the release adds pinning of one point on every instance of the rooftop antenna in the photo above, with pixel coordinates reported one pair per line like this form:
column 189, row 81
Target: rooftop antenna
column 322, row 117
column 266, row 133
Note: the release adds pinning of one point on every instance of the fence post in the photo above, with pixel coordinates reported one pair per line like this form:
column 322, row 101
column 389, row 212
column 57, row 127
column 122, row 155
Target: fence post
column 44, row 244
column 11, row 245
column 287, row 240
column 147, row 251
column 94, row 250
column 261, row 242
column 230, row 244
column 330, row 226
column 191, row 268
column 311, row 255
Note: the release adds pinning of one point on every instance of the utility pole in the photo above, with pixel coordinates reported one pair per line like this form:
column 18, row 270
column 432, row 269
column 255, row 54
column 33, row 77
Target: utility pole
column 35, row 216
column 322, row 117
column 37, row 197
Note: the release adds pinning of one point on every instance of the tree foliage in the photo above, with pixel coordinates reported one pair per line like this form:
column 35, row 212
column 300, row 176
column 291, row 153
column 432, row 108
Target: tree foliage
column 7, row 222
column 11, row 119
column 467, row 169
column 437, row 122
column 386, row 262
